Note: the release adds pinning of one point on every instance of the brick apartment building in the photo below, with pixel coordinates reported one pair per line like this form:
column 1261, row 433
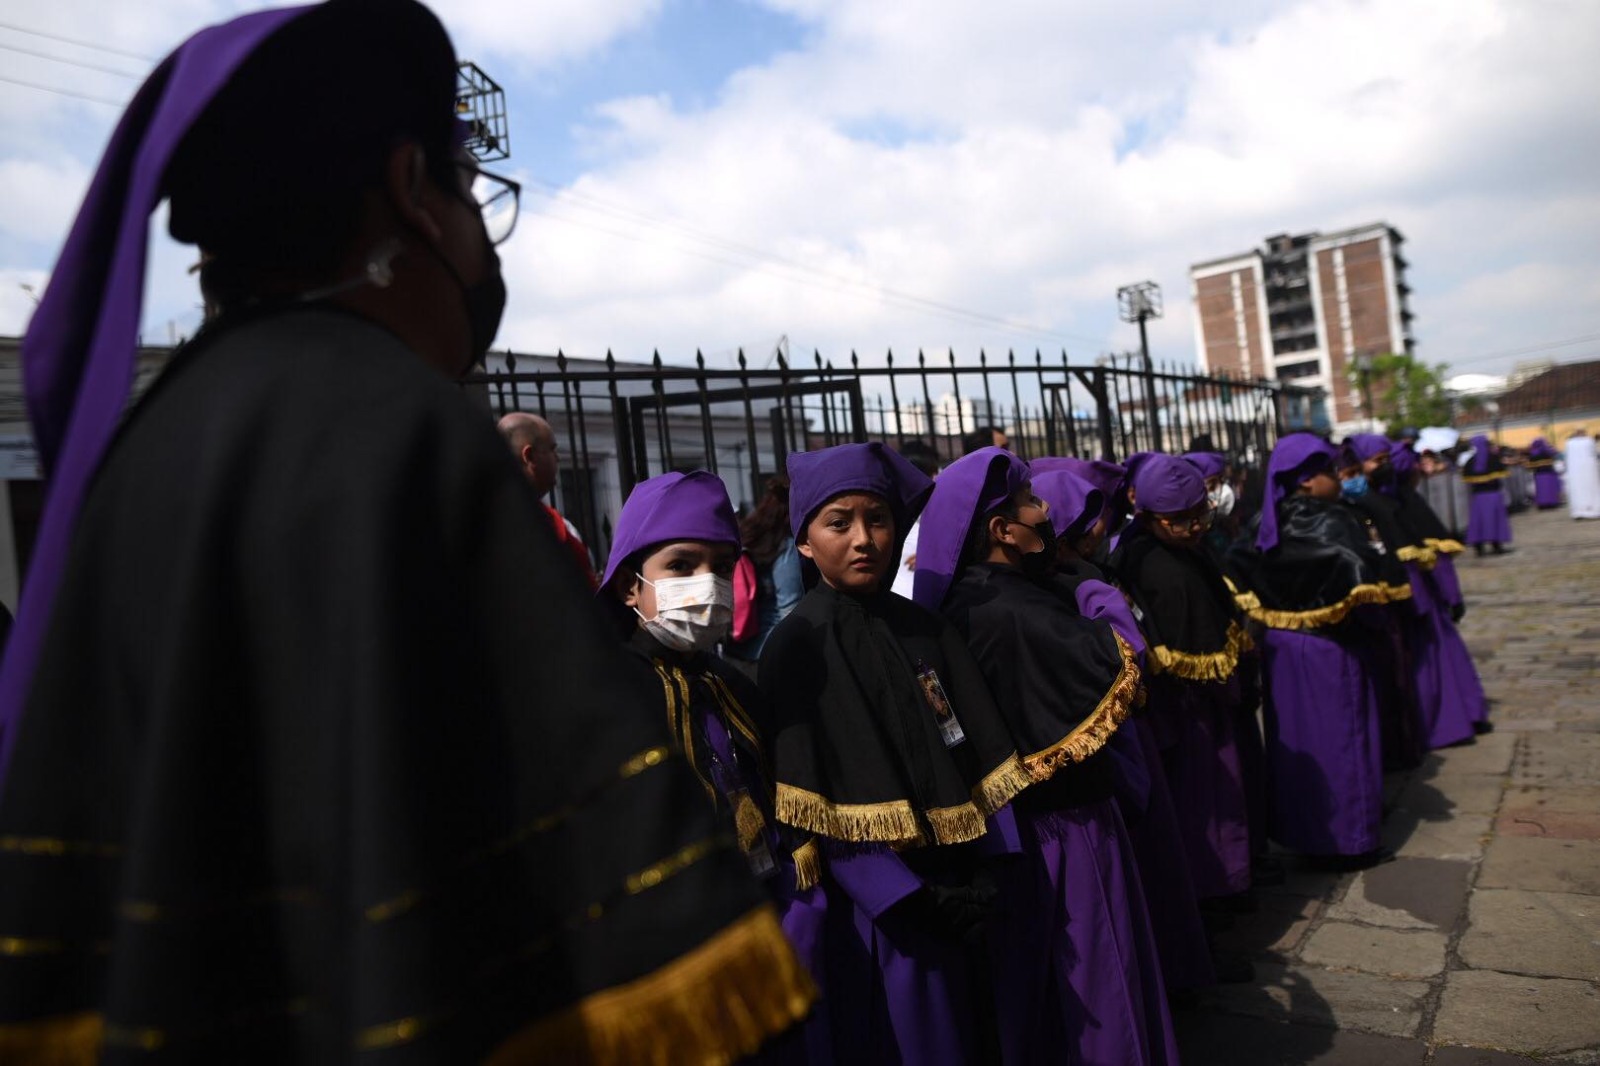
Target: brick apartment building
column 1305, row 309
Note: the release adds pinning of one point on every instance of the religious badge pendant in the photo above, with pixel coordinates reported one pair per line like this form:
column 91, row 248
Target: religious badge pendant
column 760, row 859
column 943, row 713
column 756, row 852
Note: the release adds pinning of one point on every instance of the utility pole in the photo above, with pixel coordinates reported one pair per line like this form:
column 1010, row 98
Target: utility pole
column 1139, row 303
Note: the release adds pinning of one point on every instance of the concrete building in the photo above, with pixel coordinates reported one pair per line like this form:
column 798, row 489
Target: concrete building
column 1305, row 309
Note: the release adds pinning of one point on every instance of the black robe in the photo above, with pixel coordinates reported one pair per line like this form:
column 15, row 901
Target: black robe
column 1322, row 571
column 329, row 753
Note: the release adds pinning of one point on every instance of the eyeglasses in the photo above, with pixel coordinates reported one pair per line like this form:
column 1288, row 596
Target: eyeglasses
column 498, row 198
column 1201, row 522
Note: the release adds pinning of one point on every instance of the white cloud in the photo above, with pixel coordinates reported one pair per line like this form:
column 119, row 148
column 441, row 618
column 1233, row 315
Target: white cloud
column 41, row 197
column 539, row 34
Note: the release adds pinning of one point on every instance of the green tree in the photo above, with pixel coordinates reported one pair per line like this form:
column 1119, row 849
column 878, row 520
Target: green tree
column 1404, row 390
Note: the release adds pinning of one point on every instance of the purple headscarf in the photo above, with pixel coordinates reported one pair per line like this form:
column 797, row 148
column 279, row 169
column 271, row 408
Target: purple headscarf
column 1210, row 464
column 1480, row 454
column 1402, row 458
column 1540, row 449
column 1074, row 503
column 817, row 477
column 1166, row 484
column 1104, row 475
column 1364, row 446
column 971, row 486
column 692, row 506
column 1296, row 458
column 78, row 355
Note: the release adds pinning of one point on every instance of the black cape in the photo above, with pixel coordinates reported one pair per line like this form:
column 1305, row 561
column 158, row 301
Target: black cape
column 858, row 687
column 1323, row 569
column 1184, row 606
column 328, row 752
column 1064, row 683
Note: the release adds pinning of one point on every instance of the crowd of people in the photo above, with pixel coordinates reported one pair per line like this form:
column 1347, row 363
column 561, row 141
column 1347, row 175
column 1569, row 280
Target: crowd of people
column 322, row 738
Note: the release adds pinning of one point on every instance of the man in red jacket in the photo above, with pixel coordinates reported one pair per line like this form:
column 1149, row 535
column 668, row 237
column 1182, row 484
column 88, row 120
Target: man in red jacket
column 533, row 443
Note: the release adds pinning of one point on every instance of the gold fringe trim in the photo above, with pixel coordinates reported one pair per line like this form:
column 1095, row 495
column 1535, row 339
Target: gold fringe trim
column 68, row 1040
column 1090, row 735
column 718, row 1002
column 1001, row 785
column 1206, row 666
column 807, row 865
column 1483, row 479
column 1423, row 555
column 956, row 825
column 1333, row 614
column 1540, row 464
column 1445, row 547
column 893, row 822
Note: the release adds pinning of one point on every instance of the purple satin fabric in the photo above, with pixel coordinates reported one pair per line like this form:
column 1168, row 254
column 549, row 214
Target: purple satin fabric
column 1323, row 744
column 1488, row 521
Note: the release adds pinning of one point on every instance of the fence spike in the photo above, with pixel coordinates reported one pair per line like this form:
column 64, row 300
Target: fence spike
column 611, row 361
column 742, row 365
column 561, row 360
column 699, row 359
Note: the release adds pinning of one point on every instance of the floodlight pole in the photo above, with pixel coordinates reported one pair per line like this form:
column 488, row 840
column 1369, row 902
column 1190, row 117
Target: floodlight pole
column 1139, row 303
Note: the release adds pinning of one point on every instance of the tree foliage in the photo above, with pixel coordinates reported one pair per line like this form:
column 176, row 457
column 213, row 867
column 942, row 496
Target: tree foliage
column 1405, row 391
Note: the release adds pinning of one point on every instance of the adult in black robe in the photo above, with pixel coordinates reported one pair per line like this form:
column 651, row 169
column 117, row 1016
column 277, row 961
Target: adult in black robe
column 319, row 750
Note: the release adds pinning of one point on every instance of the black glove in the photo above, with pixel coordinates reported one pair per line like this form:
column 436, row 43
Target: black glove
column 956, row 912
column 1457, row 612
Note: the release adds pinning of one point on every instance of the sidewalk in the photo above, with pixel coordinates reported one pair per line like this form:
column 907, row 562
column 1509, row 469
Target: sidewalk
column 1480, row 944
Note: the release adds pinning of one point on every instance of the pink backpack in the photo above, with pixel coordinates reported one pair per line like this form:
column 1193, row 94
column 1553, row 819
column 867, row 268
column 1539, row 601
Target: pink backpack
column 745, row 619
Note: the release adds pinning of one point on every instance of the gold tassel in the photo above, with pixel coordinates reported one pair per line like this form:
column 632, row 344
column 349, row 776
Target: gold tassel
column 718, row 1002
column 892, row 823
column 747, row 821
column 1203, row 666
column 1333, row 614
column 68, row 1040
column 807, row 865
column 1422, row 555
column 1445, row 547
column 1090, row 735
column 1001, row 785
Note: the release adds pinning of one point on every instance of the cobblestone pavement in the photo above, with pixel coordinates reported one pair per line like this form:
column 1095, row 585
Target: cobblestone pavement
column 1480, row 944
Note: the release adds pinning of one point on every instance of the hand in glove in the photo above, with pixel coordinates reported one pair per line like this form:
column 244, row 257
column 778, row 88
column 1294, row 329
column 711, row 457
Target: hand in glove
column 953, row 911
column 1457, row 612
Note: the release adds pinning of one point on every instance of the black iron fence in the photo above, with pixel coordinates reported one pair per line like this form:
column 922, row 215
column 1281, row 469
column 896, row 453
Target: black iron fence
column 619, row 423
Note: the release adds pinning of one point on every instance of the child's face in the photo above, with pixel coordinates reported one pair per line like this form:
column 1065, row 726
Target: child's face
column 850, row 539
column 1183, row 529
column 1323, row 485
column 682, row 558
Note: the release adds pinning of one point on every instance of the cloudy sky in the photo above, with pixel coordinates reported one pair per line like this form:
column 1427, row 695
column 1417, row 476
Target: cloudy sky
column 720, row 174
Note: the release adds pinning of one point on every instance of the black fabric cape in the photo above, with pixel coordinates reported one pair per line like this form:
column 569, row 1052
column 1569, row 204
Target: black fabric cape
column 857, row 750
column 329, row 752
column 1064, row 683
column 1402, row 543
column 1185, row 607
column 1323, row 568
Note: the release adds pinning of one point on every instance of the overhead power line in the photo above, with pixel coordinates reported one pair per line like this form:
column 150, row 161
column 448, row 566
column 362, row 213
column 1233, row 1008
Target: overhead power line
column 763, row 261
column 62, row 92
column 1532, row 349
column 77, row 41
column 69, row 62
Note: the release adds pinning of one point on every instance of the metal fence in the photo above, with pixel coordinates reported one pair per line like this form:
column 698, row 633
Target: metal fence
column 619, row 423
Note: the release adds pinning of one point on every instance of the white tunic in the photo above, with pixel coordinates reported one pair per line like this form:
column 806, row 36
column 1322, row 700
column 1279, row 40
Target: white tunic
column 1583, row 478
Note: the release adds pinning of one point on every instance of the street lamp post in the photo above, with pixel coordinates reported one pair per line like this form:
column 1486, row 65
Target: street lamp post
column 1139, row 303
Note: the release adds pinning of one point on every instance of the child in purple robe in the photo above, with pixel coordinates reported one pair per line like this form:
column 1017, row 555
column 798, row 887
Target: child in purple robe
column 1196, row 685
column 1310, row 576
column 1076, row 513
column 669, row 578
column 1077, row 970
column 1488, row 521
column 890, row 755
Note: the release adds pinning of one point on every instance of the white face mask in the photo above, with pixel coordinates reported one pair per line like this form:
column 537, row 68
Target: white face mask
column 692, row 613
column 1222, row 499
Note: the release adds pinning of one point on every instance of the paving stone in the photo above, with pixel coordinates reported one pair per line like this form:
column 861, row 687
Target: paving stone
column 1542, row 865
column 1407, row 894
column 1478, row 1056
column 1569, row 799
column 1468, row 795
column 1267, row 932
column 1395, row 952
column 1522, row 1014
column 1563, row 825
column 1546, row 934
column 1339, row 1000
column 1563, row 758
column 1460, row 837
column 1490, row 754
column 1210, row 1040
